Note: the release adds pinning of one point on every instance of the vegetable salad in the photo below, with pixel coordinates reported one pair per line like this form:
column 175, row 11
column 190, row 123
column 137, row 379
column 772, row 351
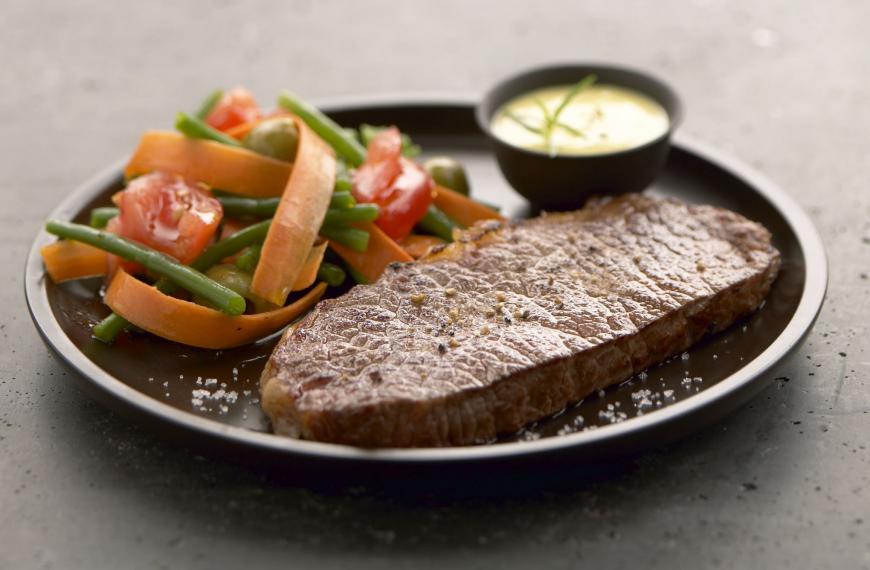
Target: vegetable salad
column 234, row 225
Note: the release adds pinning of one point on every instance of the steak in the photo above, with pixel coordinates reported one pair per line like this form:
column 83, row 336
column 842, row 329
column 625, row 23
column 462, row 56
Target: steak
column 514, row 321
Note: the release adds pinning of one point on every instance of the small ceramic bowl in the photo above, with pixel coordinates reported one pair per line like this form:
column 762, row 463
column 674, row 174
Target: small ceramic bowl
column 567, row 181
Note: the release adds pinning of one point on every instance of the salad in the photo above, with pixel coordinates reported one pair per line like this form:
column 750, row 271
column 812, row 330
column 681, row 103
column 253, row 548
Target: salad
column 236, row 224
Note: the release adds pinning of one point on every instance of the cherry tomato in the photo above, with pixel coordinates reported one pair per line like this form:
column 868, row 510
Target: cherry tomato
column 168, row 213
column 237, row 106
column 401, row 188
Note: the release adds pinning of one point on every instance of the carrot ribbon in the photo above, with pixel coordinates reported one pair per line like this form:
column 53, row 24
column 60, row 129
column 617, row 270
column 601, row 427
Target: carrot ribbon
column 229, row 168
column 66, row 260
column 297, row 220
column 195, row 325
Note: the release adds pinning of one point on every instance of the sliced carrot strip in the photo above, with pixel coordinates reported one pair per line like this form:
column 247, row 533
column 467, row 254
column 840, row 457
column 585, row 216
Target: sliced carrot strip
column 66, row 259
column 298, row 218
column 381, row 252
column 188, row 323
column 309, row 270
column 418, row 245
column 461, row 208
column 229, row 168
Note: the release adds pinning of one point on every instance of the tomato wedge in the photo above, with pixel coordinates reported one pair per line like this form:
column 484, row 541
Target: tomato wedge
column 237, row 106
column 168, row 213
column 402, row 189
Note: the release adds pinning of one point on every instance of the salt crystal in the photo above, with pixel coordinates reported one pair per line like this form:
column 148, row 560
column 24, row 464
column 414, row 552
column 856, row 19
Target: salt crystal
column 564, row 430
column 640, row 395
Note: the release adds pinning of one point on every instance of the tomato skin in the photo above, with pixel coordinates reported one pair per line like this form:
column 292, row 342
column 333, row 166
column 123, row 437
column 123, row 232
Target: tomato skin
column 401, row 188
column 237, row 106
column 168, row 213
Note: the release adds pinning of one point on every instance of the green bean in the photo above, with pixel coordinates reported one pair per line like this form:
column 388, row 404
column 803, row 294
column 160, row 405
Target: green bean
column 101, row 216
column 208, row 104
column 327, row 129
column 194, row 128
column 437, row 223
column 257, row 207
column 356, row 239
column 110, row 327
column 265, row 207
column 343, row 185
column 248, row 259
column 250, row 235
column 359, row 213
column 226, row 300
column 342, row 200
column 343, row 176
column 332, row 274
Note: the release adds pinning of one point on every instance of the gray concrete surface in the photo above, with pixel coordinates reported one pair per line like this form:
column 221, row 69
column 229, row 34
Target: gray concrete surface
column 783, row 483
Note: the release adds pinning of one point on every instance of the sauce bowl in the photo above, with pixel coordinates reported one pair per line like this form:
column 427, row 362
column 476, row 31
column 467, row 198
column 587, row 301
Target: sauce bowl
column 566, row 181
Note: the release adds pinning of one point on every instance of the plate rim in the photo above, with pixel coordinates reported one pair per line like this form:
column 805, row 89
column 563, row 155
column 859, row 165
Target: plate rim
column 805, row 314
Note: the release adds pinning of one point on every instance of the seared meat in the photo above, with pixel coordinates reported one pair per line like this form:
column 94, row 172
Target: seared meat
column 515, row 321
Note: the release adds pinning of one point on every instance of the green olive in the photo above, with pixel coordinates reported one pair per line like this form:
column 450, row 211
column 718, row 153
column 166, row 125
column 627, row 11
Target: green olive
column 448, row 173
column 277, row 138
column 229, row 276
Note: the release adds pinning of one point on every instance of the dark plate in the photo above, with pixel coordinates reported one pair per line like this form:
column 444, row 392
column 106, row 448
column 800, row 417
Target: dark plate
column 208, row 399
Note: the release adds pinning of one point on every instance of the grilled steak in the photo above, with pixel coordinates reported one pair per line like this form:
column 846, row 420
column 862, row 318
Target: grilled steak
column 514, row 321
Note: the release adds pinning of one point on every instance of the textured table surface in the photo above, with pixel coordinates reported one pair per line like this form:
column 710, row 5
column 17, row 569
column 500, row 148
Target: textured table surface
column 781, row 483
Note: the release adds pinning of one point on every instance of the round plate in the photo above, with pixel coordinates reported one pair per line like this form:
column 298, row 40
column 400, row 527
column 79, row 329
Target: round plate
column 208, row 399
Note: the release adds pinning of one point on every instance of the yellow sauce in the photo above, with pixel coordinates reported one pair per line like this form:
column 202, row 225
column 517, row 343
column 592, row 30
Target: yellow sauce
column 598, row 120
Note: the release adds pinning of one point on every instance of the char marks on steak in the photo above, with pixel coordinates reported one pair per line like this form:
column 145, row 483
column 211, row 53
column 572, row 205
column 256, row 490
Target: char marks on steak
column 514, row 321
